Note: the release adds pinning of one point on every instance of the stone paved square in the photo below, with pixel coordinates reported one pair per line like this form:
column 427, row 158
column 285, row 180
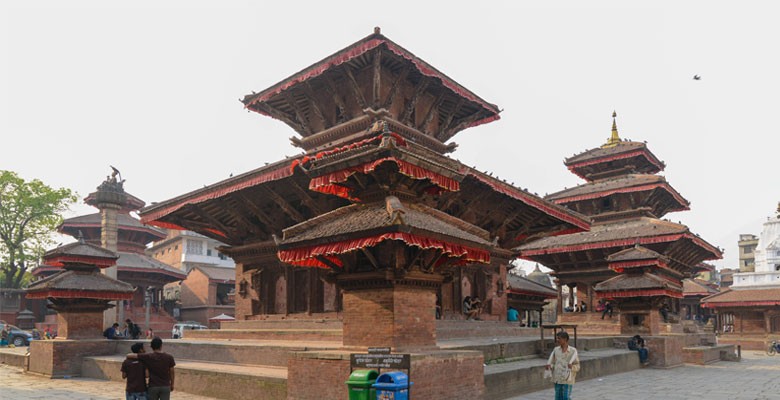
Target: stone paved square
column 756, row 377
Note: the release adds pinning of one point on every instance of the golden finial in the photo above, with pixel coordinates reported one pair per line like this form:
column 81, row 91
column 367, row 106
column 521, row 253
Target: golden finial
column 615, row 139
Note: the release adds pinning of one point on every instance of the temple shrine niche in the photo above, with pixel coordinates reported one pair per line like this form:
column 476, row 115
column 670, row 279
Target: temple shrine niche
column 116, row 229
column 374, row 220
column 630, row 257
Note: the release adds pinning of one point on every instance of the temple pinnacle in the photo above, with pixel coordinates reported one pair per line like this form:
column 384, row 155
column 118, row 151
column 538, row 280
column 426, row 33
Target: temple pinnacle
column 615, row 138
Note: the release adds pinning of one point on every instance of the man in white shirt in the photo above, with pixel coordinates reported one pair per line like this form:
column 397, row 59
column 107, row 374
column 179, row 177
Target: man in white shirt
column 565, row 363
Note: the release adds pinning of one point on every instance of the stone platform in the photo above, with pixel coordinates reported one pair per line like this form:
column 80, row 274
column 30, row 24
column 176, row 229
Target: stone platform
column 263, row 368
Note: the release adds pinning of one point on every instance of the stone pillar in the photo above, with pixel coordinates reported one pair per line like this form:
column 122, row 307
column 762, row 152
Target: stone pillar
column 109, row 199
column 559, row 305
column 400, row 314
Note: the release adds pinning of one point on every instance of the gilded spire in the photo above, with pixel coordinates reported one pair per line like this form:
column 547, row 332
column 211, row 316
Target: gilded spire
column 615, row 139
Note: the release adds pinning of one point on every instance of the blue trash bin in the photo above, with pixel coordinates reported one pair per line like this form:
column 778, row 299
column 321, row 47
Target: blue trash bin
column 392, row 386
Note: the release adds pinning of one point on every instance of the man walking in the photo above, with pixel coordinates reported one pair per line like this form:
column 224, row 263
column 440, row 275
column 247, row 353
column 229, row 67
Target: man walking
column 135, row 373
column 565, row 363
column 161, row 374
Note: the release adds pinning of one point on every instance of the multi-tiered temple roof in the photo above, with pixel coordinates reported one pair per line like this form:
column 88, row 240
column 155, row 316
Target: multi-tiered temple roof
column 629, row 251
column 368, row 112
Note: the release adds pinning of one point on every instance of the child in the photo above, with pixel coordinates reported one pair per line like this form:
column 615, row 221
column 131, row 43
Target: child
column 565, row 364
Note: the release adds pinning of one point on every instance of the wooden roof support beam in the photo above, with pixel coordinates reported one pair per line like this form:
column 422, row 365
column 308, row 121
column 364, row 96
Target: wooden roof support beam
column 329, row 263
column 240, row 218
column 371, row 258
column 461, row 125
column 361, row 99
column 377, row 81
column 306, row 199
column 299, row 115
column 281, row 116
column 330, row 87
column 309, row 94
column 256, row 211
column 210, row 219
column 396, row 84
column 203, row 228
column 418, row 91
column 443, row 128
column 431, row 112
column 284, row 205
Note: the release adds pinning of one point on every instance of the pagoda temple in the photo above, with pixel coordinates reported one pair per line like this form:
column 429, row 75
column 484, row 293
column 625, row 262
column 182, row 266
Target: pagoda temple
column 133, row 266
column 373, row 219
column 630, row 257
column 78, row 291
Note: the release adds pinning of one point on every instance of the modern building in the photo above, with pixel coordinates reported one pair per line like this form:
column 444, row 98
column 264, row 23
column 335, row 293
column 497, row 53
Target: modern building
column 206, row 293
column 747, row 252
column 186, row 250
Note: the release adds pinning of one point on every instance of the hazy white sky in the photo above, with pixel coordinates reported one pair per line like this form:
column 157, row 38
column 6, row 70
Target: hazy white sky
column 152, row 88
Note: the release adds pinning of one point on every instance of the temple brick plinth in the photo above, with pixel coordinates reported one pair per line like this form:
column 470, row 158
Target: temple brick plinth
column 80, row 324
column 381, row 311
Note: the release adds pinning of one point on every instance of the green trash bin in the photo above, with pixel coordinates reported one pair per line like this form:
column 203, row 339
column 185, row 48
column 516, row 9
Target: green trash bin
column 359, row 384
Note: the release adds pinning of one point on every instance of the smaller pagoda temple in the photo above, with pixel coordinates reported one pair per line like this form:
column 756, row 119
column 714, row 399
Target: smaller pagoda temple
column 630, row 256
column 115, row 229
column 79, row 292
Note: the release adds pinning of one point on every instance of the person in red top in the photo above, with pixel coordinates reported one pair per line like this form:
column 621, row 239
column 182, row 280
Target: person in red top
column 161, row 374
column 135, row 373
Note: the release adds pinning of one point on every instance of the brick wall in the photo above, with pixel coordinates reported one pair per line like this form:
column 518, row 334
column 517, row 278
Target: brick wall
column 317, row 379
column 81, row 325
column 400, row 317
column 435, row 375
column 195, row 289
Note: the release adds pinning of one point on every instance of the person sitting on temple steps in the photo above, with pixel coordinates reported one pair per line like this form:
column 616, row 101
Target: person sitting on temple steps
column 638, row 344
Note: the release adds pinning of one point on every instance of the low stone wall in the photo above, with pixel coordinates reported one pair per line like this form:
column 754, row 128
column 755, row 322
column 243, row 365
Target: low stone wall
column 59, row 358
column 234, row 383
column 513, row 382
column 702, row 355
column 14, row 357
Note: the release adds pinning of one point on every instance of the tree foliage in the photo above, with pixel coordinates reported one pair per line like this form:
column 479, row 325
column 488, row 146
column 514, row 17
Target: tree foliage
column 29, row 213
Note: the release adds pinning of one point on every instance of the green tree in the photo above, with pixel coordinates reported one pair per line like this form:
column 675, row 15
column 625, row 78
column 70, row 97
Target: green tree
column 29, row 213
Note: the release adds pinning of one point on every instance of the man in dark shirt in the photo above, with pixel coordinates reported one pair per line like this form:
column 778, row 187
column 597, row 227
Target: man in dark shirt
column 135, row 373
column 161, row 375
column 112, row 332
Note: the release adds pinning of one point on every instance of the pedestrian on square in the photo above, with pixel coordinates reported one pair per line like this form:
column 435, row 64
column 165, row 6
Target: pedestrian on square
column 161, row 373
column 4, row 337
column 564, row 363
column 136, row 373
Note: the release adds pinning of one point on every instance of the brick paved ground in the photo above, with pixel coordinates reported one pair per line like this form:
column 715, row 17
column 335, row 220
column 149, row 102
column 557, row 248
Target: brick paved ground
column 16, row 385
column 756, row 377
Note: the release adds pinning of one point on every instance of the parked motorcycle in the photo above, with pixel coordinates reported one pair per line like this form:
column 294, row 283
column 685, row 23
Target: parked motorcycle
column 773, row 348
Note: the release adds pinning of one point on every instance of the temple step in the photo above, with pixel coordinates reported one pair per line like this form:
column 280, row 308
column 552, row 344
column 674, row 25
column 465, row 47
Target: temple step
column 328, row 335
column 246, row 352
column 219, row 380
column 505, row 380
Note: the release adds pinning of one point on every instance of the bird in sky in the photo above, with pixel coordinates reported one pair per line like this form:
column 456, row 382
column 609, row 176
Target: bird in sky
column 696, row 78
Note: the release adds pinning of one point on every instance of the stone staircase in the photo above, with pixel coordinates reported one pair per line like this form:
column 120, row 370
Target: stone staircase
column 160, row 321
column 257, row 367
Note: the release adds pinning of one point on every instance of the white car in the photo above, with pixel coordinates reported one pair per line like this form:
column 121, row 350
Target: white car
column 178, row 330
